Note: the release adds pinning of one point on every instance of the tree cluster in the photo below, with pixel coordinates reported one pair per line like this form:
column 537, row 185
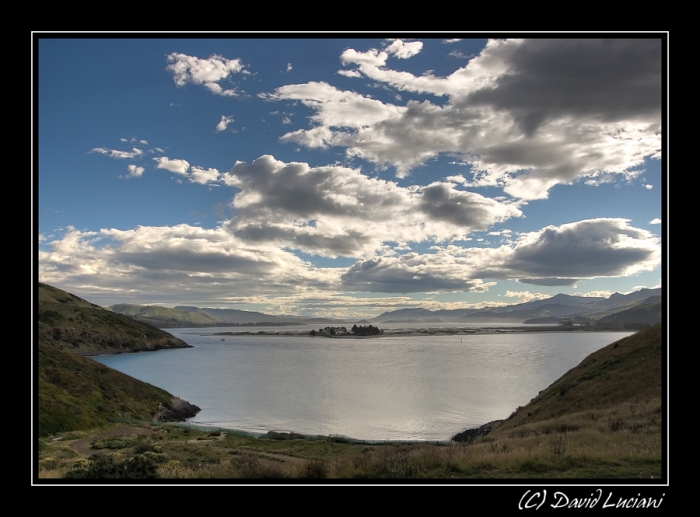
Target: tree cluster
column 368, row 330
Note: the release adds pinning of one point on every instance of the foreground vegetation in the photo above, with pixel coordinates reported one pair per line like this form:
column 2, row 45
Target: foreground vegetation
column 601, row 420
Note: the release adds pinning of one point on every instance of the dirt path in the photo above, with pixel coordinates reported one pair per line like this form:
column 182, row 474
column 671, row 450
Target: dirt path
column 82, row 446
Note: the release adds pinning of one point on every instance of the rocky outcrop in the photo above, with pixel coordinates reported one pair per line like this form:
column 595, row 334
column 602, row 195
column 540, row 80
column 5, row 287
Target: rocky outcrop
column 178, row 411
column 469, row 435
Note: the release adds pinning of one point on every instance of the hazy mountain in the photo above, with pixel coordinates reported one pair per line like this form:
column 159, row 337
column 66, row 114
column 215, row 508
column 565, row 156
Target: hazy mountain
column 559, row 306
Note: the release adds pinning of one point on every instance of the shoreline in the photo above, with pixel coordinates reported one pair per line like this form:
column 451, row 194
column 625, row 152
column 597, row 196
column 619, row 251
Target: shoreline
column 428, row 331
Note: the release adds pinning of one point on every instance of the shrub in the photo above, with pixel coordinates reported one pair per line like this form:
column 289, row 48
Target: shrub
column 112, row 467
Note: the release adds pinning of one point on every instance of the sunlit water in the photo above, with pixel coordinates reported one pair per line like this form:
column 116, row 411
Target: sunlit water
column 388, row 388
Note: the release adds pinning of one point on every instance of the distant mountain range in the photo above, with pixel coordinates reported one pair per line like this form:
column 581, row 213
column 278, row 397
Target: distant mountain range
column 639, row 308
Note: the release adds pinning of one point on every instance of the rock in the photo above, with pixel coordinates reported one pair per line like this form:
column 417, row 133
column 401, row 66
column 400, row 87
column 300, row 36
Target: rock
column 178, row 411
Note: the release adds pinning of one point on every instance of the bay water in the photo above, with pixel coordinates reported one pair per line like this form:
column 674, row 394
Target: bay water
column 394, row 387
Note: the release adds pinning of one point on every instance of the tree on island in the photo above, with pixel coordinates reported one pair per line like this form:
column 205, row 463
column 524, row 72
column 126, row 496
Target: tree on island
column 368, row 330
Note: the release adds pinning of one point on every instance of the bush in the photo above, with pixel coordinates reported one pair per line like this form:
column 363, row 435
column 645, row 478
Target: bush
column 112, row 467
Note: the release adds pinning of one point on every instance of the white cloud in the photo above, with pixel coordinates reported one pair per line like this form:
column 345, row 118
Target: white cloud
column 560, row 255
column 458, row 54
column 350, row 73
column 135, row 153
column 206, row 72
column 525, row 296
column 409, row 273
column 202, row 176
column 134, row 171
column 176, row 166
column 554, row 256
column 596, row 294
column 191, row 264
column 223, row 123
column 403, row 49
column 525, row 114
column 336, row 108
column 289, row 67
column 655, row 221
column 452, row 40
column 177, row 262
column 336, row 210
column 648, row 187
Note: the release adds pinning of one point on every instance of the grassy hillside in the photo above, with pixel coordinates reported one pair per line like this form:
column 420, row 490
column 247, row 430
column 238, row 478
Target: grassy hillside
column 79, row 393
column 623, row 372
column 71, row 323
column 643, row 314
column 76, row 392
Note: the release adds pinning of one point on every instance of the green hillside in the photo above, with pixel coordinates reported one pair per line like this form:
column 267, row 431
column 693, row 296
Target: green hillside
column 623, row 372
column 76, row 392
column 71, row 323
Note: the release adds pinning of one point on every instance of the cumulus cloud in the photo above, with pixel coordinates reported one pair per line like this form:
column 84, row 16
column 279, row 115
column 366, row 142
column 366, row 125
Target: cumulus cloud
column 560, row 255
column 403, row 49
column 411, row 272
column 223, row 123
column 336, row 210
column 134, row 171
column 553, row 256
column 176, row 166
column 206, row 72
column 214, row 263
column 655, row 221
column 209, row 264
column 525, row 114
column 203, row 176
column 336, row 108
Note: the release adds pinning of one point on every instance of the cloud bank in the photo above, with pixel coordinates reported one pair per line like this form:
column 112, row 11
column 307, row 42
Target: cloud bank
column 525, row 114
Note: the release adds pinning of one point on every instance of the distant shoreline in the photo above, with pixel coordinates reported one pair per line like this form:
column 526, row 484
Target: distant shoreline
column 433, row 331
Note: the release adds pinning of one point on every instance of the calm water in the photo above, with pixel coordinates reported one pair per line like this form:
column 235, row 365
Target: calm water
column 395, row 387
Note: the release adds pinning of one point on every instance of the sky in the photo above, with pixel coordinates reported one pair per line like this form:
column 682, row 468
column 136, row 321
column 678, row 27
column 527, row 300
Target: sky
column 347, row 176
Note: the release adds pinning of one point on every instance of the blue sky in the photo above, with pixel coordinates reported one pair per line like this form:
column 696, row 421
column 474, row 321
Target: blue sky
column 348, row 176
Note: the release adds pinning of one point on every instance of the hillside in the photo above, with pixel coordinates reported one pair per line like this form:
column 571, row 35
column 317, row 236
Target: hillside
column 623, row 372
column 71, row 323
column 648, row 313
column 76, row 392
